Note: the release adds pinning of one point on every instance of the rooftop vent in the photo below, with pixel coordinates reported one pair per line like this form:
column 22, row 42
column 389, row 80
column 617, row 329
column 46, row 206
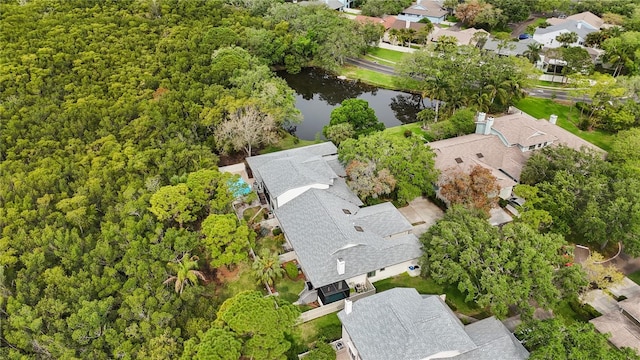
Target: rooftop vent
column 459, row 160
column 479, row 155
column 346, row 211
column 359, row 228
column 348, row 306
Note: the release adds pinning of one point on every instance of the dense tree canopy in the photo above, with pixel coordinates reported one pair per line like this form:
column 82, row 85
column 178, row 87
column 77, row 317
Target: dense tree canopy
column 588, row 198
column 495, row 267
column 463, row 76
column 108, row 112
column 406, row 159
column 358, row 114
column 553, row 339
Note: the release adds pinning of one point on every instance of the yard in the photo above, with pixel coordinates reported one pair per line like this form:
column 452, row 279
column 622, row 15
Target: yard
column 327, row 327
column 429, row 286
column 385, row 56
column 236, row 281
column 369, row 76
column 567, row 119
column 635, row 277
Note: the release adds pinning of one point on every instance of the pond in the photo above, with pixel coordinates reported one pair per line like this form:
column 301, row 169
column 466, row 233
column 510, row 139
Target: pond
column 318, row 93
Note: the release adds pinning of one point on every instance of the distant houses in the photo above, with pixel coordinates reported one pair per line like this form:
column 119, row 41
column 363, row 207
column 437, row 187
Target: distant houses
column 424, row 9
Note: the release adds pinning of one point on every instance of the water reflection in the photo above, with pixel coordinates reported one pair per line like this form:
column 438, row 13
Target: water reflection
column 318, row 93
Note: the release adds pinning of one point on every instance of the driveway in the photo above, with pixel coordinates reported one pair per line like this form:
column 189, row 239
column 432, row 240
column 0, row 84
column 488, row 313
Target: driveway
column 600, row 301
column 421, row 213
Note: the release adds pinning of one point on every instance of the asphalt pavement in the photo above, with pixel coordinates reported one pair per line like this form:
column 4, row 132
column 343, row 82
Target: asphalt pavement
column 535, row 92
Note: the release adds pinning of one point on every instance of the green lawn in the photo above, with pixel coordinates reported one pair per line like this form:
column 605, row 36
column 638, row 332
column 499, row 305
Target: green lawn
column 567, row 116
column 388, row 56
column 273, row 243
column 287, row 142
column 429, row 286
column 369, row 77
column 244, row 280
column 635, row 277
column 289, row 289
column 399, row 130
column 328, row 327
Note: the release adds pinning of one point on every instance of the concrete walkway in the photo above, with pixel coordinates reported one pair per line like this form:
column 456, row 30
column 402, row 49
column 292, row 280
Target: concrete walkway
column 421, row 213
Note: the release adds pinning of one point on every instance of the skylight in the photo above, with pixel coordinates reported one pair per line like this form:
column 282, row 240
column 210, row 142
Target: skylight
column 479, row 155
column 346, row 211
column 359, row 228
column 459, row 160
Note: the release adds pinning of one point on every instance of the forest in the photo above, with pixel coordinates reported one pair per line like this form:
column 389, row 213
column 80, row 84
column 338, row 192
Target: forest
column 113, row 215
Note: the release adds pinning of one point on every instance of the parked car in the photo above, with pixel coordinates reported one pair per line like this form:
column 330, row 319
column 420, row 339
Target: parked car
column 524, row 36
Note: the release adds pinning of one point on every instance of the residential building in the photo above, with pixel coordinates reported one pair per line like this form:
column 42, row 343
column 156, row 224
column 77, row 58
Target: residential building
column 587, row 17
column 623, row 325
column 508, row 48
column 547, row 36
column 424, row 9
column 463, row 37
column 283, row 175
column 503, row 145
column 402, row 324
column 339, row 244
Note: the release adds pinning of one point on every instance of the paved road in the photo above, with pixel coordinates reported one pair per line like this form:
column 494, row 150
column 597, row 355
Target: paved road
column 537, row 92
column 365, row 64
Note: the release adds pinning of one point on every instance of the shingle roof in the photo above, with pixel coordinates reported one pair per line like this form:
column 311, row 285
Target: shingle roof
column 315, row 164
column 321, row 232
column 568, row 26
column 494, row 342
column 464, row 37
column 519, row 47
column 402, row 324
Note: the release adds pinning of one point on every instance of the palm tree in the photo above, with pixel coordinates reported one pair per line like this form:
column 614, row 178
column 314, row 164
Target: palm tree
column 533, row 52
column 185, row 270
column 267, row 267
column 436, row 90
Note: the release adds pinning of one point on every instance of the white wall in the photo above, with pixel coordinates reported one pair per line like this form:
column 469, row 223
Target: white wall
column 360, row 279
column 293, row 193
column 393, row 270
column 549, row 40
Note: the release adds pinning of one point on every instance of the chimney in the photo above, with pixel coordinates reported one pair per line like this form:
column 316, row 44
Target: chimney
column 487, row 128
column 341, row 266
column 407, row 24
column 480, row 123
column 579, row 26
column 553, row 119
column 348, row 306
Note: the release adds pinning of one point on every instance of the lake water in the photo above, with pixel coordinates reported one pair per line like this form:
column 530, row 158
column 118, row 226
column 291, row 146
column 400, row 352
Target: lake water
column 318, row 93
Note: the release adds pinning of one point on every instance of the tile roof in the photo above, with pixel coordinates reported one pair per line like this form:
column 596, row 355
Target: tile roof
column 368, row 19
column 321, row 232
column 499, row 149
column 426, row 8
column 624, row 331
column 463, row 36
column 402, row 324
column 588, row 17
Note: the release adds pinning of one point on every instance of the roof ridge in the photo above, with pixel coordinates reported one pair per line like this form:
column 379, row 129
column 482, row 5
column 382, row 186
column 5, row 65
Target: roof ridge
column 330, row 216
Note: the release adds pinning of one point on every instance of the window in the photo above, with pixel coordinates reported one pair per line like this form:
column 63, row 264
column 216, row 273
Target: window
column 371, row 274
column 382, row 269
column 346, row 211
column 532, row 147
column 459, row 160
column 359, row 228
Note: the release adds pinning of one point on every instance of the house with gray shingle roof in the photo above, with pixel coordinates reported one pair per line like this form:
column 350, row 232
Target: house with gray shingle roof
column 402, row 324
column 338, row 243
column 283, row 175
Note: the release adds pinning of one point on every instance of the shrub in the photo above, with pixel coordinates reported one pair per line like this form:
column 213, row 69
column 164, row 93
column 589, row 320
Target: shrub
column 277, row 231
column 584, row 311
column 408, row 133
column 291, row 269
